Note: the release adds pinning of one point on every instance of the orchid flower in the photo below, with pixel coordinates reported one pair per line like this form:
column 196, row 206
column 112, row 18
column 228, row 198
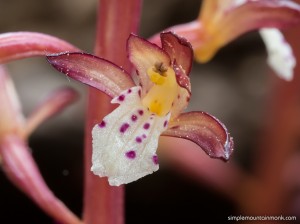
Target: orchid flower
column 125, row 141
column 221, row 21
column 16, row 160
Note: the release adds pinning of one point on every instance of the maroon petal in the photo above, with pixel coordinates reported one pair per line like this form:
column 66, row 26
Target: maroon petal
column 181, row 54
column 93, row 71
column 179, row 50
column 204, row 130
column 17, row 45
column 54, row 104
column 144, row 55
column 21, row 169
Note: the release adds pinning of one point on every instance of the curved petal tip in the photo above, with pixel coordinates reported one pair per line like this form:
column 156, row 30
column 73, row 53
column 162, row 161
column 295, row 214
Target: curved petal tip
column 206, row 131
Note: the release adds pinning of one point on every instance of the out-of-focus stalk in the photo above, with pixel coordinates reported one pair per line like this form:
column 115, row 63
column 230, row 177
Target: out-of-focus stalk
column 103, row 204
column 279, row 143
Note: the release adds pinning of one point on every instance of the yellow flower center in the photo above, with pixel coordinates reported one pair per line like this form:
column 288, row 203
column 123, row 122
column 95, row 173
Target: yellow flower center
column 162, row 94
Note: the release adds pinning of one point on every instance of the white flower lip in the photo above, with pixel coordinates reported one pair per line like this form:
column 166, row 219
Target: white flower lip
column 125, row 142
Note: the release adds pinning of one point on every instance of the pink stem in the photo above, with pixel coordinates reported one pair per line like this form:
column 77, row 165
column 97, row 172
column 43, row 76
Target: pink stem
column 103, row 204
column 21, row 169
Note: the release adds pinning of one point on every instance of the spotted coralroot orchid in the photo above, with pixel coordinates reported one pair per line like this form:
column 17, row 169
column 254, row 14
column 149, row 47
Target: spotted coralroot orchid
column 125, row 142
column 221, row 21
column 16, row 159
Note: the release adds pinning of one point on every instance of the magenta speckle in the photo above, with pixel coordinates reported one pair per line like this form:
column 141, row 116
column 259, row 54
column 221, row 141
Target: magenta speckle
column 124, row 127
column 144, row 136
column 133, row 117
column 141, row 112
column 155, row 159
column 102, row 124
column 165, row 123
column 130, row 154
column 129, row 91
column 138, row 139
column 121, row 98
column 146, row 126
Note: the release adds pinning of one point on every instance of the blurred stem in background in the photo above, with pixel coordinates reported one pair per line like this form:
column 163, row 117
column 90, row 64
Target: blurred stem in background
column 116, row 20
column 279, row 144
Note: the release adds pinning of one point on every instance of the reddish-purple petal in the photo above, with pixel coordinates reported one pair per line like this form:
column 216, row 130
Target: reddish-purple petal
column 93, row 71
column 21, row 169
column 204, row 130
column 11, row 117
column 179, row 50
column 181, row 54
column 144, row 55
column 51, row 106
column 18, row 45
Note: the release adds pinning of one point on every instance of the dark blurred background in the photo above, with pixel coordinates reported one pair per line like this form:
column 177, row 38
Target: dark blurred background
column 233, row 87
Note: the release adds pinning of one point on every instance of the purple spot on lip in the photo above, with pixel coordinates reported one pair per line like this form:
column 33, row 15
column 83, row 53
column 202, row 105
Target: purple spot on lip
column 130, row 154
column 144, row 136
column 146, row 126
column 121, row 98
column 129, row 91
column 133, row 117
column 124, row 127
column 141, row 112
column 165, row 123
column 138, row 139
column 102, row 124
column 155, row 159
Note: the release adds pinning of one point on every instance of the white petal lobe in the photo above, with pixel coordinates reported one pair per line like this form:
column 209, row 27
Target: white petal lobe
column 125, row 142
column 280, row 54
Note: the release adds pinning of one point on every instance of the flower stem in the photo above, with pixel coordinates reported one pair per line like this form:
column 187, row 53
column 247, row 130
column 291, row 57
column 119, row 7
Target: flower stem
column 103, row 204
